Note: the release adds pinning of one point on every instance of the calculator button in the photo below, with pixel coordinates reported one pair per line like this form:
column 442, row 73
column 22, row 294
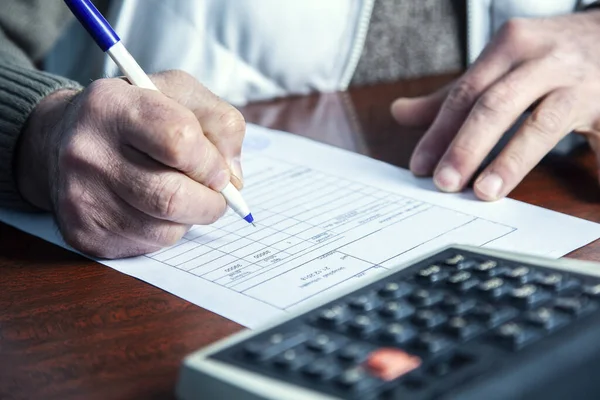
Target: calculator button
column 528, row 296
column 454, row 260
column 426, row 298
column 488, row 268
column 515, row 335
column 363, row 302
column 432, row 342
column 466, row 265
column 457, row 305
column 431, row 274
column 334, row 315
column 546, row 318
column 389, row 363
column 397, row 309
column 556, row 282
column 592, row 290
column 574, row 306
column 273, row 345
column 321, row 369
column 493, row 315
column 363, row 324
column 323, row 343
column 429, row 319
column 394, row 290
column 398, row 332
column 463, row 328
column 520, row 274
column 493, row 288
column 462, row 281
column 357, row 379
column 292, row 359
column 353, row 353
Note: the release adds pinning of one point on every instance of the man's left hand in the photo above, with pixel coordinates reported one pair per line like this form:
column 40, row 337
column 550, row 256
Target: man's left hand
column 550, row 65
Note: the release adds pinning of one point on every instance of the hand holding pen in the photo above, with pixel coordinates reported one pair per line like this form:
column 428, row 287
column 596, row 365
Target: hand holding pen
column 127, row 170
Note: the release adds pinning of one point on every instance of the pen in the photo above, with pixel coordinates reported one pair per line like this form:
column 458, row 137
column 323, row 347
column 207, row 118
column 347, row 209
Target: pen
column 110, row 43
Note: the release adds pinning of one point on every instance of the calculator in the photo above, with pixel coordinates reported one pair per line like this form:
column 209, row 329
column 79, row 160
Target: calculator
column 459, row 323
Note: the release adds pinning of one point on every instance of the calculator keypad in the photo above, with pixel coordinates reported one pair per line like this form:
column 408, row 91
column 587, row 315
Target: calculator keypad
column 397, row 335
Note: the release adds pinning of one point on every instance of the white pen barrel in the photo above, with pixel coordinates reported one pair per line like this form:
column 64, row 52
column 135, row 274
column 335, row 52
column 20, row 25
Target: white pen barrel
column 235, row 200
column 130, row 67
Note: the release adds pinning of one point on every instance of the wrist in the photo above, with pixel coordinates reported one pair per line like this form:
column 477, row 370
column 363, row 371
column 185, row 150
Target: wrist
column 38, row 148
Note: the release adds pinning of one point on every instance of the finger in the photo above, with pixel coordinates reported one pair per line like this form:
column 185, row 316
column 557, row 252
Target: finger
column 490, row 117
column 88, row 219
column 549, row 122
column 221, row 123
column 171, row 134
column 509, row 47
column 165, row 194
column 419, row 111
column 103, row 244
column 143, row 230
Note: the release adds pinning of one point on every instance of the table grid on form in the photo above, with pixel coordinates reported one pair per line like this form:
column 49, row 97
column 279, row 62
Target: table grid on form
column 314, row 231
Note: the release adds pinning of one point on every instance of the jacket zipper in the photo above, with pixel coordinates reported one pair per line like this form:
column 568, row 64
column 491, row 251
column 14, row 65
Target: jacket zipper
column 469, row 23
column 361, row 34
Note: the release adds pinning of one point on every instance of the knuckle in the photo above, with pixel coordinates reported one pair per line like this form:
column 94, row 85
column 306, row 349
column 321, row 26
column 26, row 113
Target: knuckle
column 73, row 155
column 546, row 123
column 180, row 139
column 496, row 101
column 460, row 151
column 233, row 122
column 168, row 198
column 513, row 30
column 567, row 65
column 511, row 163
column 462, row 96
column 97, row 98
column 168, row 235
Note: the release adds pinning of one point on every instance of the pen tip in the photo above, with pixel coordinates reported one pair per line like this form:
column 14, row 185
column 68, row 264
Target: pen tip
column 249, row 218
column 253, row 224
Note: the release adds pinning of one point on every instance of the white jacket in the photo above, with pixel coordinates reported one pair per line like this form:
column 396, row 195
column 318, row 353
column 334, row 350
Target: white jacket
column 245, row 50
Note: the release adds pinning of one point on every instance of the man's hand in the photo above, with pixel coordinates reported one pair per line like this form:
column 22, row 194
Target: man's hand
column 551, row 64
column 126, row 170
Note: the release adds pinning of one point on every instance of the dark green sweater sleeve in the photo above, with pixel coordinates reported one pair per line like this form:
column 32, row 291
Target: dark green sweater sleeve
column 28, row 29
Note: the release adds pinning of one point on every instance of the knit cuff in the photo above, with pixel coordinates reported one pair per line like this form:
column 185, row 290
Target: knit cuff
column 21, row 89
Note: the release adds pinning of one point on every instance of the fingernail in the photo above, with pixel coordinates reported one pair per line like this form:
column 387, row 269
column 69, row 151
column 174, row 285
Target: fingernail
column 490, row 185
column 447, row 179
column 236, row 168
column 422, row 164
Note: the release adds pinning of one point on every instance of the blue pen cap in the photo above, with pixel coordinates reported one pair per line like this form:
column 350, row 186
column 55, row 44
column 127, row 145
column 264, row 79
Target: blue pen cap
column 91, row 19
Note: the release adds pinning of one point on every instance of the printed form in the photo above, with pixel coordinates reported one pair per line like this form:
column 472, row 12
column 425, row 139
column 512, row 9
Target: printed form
column 326, row 218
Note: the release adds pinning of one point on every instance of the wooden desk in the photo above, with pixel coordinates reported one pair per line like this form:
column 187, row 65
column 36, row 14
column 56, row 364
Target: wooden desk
column 71, row 328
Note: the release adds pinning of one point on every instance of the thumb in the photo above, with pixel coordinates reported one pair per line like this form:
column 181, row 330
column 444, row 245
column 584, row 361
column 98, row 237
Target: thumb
column 419, row 111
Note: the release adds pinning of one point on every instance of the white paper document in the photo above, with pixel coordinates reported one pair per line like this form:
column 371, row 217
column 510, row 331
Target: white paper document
column 326, row 218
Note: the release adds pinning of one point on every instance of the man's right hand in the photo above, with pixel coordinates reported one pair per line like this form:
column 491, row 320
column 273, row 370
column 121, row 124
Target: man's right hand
column 126, row 170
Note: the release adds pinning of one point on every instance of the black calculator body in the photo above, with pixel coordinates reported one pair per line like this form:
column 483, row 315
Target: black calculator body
column 460, row 323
